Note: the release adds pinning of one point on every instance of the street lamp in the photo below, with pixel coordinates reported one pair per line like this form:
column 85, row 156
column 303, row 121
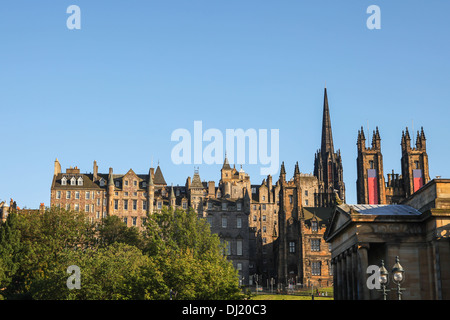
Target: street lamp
column 384, row 279
column 398, row 275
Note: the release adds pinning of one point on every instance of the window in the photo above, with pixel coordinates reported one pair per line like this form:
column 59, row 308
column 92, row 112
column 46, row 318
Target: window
column 239, row 247
column 254, row 207
column 264, row 218
column 125, row 182
column 144, row 205
column 134, row 204
column 134, row 194
column 135, row 183
column 238, row 266
column 238, row 222
column 228, row 248
column 254, row 217
column 264, row 198
column 316, row 268
column 306, row 192
column 98, row 201
column 102, row 182
column 116, row 204
column 291, row 199
column 80, row 181
column 86, row 209
column 184, row 205
column 77, row 195
column 67, row 194
column 224, row 222
column 315, row 244
column 125, row 220
column 264, row 240
column 371, row 164
column 77, row 207
column 88, row 195
column 416, row 163
column 239, row 206
column 210, row 205
column 97, row 215
column 144, row 184
column 264, row 207
column 64, row 181
column 67, row 207
column 126, row 194
column 314, row 225
column 117, row 184
column 292, row 247
column 306, row 202
column 224, row 206
column 134, row 220
column 125, row 204
column 209, row 219
column 264, row 229
column 58, row 194
column 253, row 190
column 159, row 204
column 73, row 181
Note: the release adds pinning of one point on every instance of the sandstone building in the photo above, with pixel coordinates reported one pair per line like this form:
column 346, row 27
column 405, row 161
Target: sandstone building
column 274, row 229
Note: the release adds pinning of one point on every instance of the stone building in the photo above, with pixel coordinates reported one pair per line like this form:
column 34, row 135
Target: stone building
column 273, row 229
column 417, row 231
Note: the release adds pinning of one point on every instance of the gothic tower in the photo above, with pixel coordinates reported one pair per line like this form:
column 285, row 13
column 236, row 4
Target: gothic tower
column 370, row 184
column 328, row 165
column 414, row 161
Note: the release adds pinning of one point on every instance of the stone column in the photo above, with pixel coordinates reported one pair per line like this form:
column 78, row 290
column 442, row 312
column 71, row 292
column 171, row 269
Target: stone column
column 335, row 281
column 355, row 272
column 363, row 263
column 349, row 274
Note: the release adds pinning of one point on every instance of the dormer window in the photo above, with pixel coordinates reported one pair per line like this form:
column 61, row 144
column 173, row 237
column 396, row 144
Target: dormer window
column 73, row 181
column 102, row 182
column 117, row 184
column 224, row 206
column 314, row 225
column 64, row 181
column 239, row 206
column 80, row 181
column 144, row 184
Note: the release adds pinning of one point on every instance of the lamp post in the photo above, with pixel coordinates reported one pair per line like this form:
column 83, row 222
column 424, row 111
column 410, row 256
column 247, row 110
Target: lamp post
column 384, row 279
column 398, row 275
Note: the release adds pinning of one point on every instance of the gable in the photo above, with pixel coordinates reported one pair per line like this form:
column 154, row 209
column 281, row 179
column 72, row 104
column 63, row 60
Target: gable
column 339, row 220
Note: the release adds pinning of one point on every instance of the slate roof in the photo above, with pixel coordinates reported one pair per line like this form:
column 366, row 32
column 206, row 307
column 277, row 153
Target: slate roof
column 385, row 209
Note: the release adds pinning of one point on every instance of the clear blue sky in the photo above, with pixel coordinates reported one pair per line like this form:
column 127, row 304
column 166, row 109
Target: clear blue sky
column 137, row 70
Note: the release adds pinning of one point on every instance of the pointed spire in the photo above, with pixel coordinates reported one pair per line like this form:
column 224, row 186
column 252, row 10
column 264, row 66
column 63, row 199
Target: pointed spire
column 226, row 164
column 327, row 137
column 296, row 170
column 172, row 194
column 422, row 134
column 282, row 170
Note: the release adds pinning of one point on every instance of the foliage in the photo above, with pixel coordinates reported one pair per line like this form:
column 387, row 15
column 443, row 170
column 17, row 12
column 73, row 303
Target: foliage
column 174, row 251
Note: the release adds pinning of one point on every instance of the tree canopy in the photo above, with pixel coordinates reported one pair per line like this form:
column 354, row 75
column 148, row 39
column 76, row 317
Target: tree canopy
column 174, row 251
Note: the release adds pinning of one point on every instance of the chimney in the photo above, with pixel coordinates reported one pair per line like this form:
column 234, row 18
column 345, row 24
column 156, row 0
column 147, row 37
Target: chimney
column 211, row 188
column 95, row 171
column 57, row 169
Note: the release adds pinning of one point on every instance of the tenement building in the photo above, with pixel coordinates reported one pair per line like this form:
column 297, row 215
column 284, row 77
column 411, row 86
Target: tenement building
column 273, row 229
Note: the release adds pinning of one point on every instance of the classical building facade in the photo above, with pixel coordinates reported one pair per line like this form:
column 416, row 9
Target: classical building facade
column 417, row 231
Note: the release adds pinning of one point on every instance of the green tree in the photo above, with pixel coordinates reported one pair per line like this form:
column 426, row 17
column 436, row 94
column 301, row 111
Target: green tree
column 113, row 229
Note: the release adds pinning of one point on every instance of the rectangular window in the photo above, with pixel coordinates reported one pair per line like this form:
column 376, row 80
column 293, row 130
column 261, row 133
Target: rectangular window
column 116, row 204
column 239, row 206
column 291, row 199
column 125, row 204
column 87, row 196
column 126, row 182
column 159, row 204
column 144, row 204
column 135, row 183
column 264, row 229
column 238, row 222
column 126, row 194
column 86, row 208
column 67, row 194
column 264, row 207
column 316, row 268
column 315, row 244
column 184, row 205
column 228, row 248
column 210, row 205
column 314, row 226
column 134, row 220
column 306, row 202
column 77, row 195
column 239, row 247
column 77, row 207
column 292, row 247
column 97, row 215
column 134, row 204
column 239, row 266
column 58, row 194
column 264, row 218
column 254, row 218
column 224, row 222
column 224, row 206
column 125, row 220
column 209, row 219
column 67, row 207
column 306, row 192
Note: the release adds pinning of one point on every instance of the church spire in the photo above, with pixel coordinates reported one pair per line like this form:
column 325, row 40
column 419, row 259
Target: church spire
column 327, row 137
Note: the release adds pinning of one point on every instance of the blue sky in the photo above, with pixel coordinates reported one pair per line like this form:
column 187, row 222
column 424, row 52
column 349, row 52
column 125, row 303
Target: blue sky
column 115, row 90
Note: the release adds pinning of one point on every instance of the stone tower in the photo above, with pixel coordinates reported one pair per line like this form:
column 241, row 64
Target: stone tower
column 414, row 161
column 328, row 164
column 370, row 183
